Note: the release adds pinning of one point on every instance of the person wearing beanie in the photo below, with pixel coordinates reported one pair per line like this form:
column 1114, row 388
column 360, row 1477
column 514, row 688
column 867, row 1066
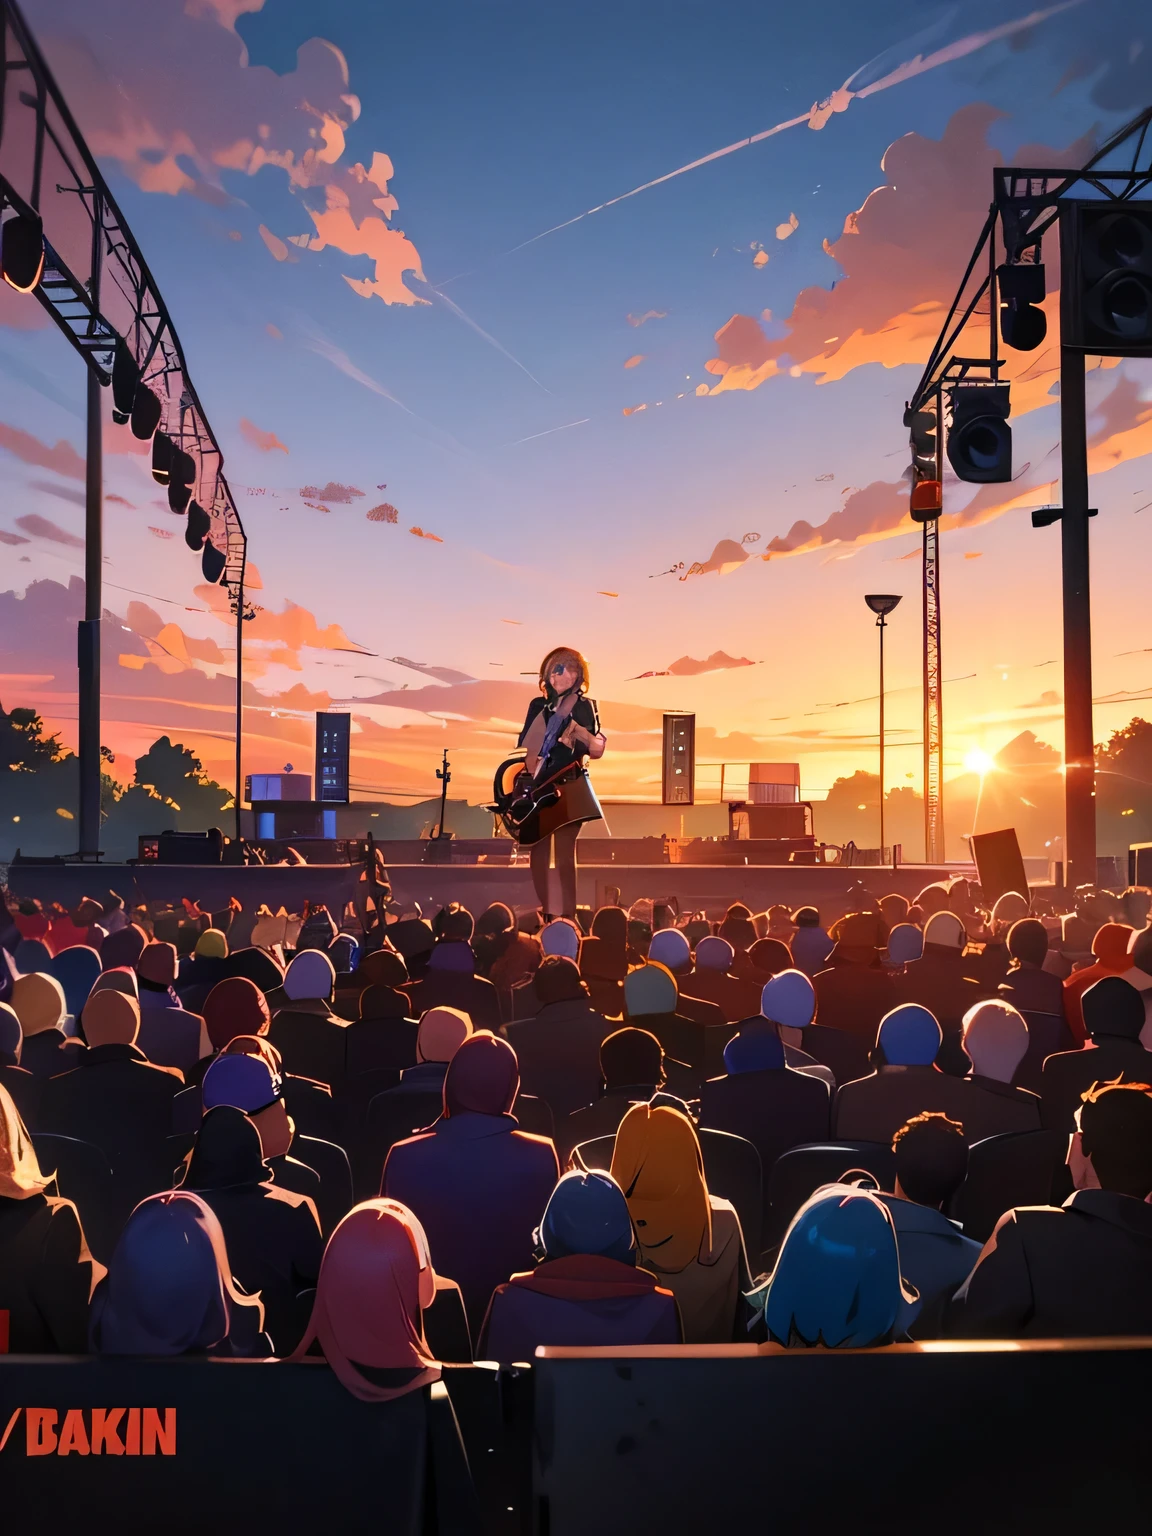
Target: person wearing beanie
column 308, row 1035
column 586, row 1289
column 559, row 1049
column 903, row 1083
column 905, row 943
column 383, row 1037
column 115, row 1098
column 169, row 1034
column 764, row 1099
column 450, row 979
column 24, row 1088
column 945, row 981
column 476, row 1183
column 76, row 969
column 670, row 947
column 1114, row 1017
column 716, row 980
column 1110, row 948
column 652, row 1000
column 810, row 944
column 788, row 1000
column 854, row 992
column 199, row 972
column 996, row 1041
column 39, row 1003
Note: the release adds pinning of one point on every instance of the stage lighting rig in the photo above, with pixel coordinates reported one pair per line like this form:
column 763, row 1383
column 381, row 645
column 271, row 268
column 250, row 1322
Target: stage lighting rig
column 1106, row 281
column 979, row 437
column 22, row 251
column 1021, row 287
column 923, row 426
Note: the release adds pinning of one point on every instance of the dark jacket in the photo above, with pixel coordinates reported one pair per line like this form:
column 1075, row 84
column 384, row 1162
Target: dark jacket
column 1033, row 990
column 600, row 1118
column 559, row 1053
column 737, row 997
column 272, row 1235
column 1070, row 1073
column 119, row 1101
column 854, row 998
column 998, row 1109
column 1073, row 1271
column 945, row 981
column 169, row 1036
column 25, row 1090
column 447, row 984
column 845, row 1055
column 381, row 1042
column 875, row 1107
column 935, row 1257
column 479, row 1187
column 312, row 1041
column 774, row 1109
column 46, row 1276
column 47, row 1054
column 579, row 1301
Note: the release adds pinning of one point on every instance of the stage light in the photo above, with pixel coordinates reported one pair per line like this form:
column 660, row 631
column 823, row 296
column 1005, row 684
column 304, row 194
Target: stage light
column 199, row 526
column 22, row 251
column 146, row 411
column 926, row 495
column 979, row 762
column 979, row 437
column 1106, row 277
column 178, row 496
column 212, row 563
column 161, row 458
column 125, row 382
column 1022, row 325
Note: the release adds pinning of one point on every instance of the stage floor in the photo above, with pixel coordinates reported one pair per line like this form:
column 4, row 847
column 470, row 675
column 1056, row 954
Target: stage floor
column 696, row 886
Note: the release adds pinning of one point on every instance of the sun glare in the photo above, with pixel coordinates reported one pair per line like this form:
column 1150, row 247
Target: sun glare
column 978, row 761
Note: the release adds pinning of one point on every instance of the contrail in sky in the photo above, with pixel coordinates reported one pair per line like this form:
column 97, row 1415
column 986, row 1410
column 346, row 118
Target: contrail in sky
column 837, row 102
column 533, row 435
column 467, row 319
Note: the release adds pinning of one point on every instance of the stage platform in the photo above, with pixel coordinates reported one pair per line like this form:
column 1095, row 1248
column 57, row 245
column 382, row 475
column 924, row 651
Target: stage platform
column 695, row 886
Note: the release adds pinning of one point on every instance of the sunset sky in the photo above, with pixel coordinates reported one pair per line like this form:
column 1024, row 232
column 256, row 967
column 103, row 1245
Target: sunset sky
column 388, row 239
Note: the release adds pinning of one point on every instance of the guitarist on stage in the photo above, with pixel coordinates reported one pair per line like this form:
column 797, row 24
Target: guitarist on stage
column 561, row 730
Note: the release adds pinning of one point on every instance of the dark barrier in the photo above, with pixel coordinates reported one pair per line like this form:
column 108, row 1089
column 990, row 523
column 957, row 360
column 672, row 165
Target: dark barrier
column 224, row 1446
column 1034, row 1437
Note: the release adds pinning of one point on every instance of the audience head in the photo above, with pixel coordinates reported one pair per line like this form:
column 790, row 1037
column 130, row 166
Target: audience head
column 383, row 968
column 1110, row 945
column 412, row 937
column 931, row 1158
column 859, row 937
column 1028, row 941
column 39, row 1003
column 587, row 1214
column 756, row 1047
column 738, row 927
column 121, row 978
column 1140, row 949
column 905, row 943
column 376, row 1278
column 657, row 1163
column 111, row 1018
column 157, row 964
column 669, row 947
column 632, row 1058
column 454, row 924
column 558, row 981
column 495, row 919
column 610, row 923
column 996, row 1039
column 483, row 1077
column 1010, row 908
column 212, row 945
column 11, row 1036
column 76, row 969
column 248, row 1084
column 933, row 899
column 310, row 977
column 256, row 1045
column 561, row 937
column 714, row 954
column 770, row 956
column 945, row 931
column 227, row 1151
column 169, row 1289
column 909, row 1036
column 235, row 1006
column 20, row 1175
column 1111, row 1006
column 441, row 1033
column 1112, row 1147
column 343, row 953
column 123, row 947
column 1136, row 902
column 639, row 936
column 789, row 1000
column 837, row 1280
column 806, row 917
column 894, row 909
column 256, row 965
column 650, row 989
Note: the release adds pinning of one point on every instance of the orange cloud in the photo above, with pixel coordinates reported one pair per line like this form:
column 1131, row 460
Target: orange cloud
column 274, row 243
column 422, row 533
column 649, row 314
column 635, row 361
column 61, row 457
column 267, row 442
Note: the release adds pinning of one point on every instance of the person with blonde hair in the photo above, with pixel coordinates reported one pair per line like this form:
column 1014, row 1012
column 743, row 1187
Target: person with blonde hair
column 561, row 730
column 689, row 1239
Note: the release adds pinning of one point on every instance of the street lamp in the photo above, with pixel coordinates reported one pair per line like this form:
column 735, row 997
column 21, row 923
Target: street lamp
column 882, row 604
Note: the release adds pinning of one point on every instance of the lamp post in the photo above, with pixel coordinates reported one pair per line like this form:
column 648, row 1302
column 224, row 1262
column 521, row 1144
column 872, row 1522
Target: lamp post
column 881, row 604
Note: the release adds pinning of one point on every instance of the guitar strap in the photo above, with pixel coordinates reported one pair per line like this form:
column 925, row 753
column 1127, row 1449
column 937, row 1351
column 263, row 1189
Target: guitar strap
column 556, row 728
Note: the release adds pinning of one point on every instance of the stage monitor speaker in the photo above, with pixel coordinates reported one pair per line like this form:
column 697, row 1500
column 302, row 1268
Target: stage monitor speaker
column 999, row 865
column 1106, row 277
column 679, row 776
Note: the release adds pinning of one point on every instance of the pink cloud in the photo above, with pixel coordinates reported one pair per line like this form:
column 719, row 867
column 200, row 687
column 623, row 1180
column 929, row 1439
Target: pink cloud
column 43, row 528
column 267, row 442
column 62, row 457
column 342, row 495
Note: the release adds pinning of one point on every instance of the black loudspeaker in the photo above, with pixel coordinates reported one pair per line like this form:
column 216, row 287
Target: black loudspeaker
column 979, row 437
column 1023, row 324
column 999, row 866
column 1106, row 277
column 679, row 775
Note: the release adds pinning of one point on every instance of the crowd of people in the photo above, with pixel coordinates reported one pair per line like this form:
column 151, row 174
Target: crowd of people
column 460, row 1138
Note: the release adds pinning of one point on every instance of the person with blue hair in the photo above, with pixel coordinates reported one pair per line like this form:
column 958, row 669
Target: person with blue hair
column 905, row 1081
column 169, row 1289
column 837, row 1282
column 762, row 1098
column 76, row 969
column 586, row 1289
